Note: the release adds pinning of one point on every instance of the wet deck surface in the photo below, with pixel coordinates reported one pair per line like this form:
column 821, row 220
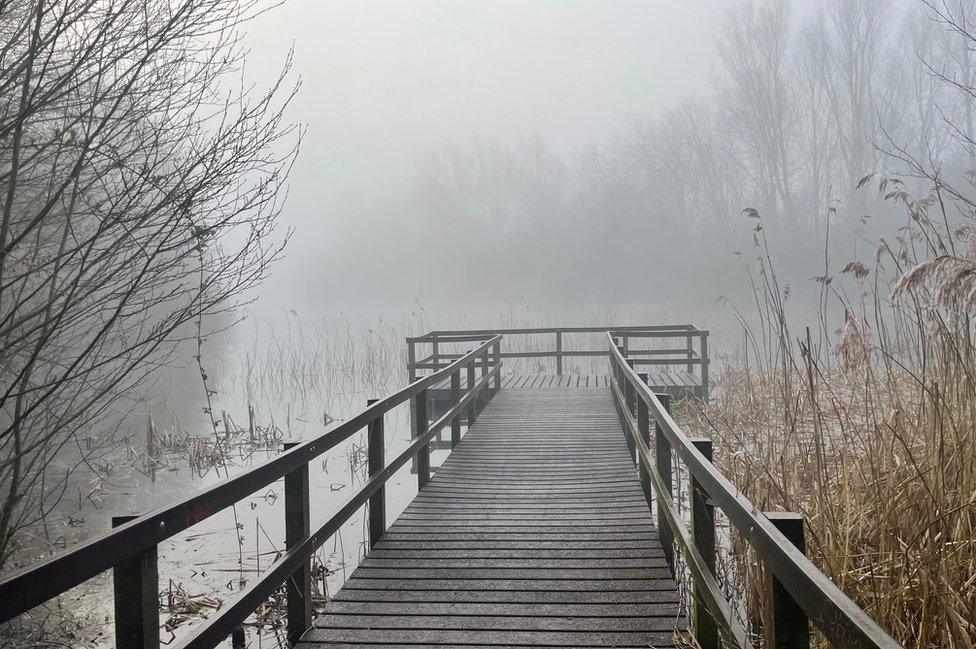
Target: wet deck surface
column 534, row 532
column 659, row 380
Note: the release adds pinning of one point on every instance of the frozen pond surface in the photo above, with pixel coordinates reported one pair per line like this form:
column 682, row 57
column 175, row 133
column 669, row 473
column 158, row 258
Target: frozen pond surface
column 207, row 563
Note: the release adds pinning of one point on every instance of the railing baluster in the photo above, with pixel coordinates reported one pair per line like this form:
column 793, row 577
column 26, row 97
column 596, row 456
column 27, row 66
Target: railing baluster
column 411, row 361
column 376, row 452
column 644, row 428
column 789, row 627
column 630, row 404
column 703, row 350
column 472, row 404
column 456, row 399
column 136, row 591
column 299, row 586
column 618, row 369
column 559, row 352
column 483, row 397
column 412, row 376
column 423, row 456
column 497, row 353
column 703, row 532
column 662, row 449
column 630, row 393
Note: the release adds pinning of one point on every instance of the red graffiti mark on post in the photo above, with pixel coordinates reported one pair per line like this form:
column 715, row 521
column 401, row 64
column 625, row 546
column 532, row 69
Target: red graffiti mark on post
column 197, row 513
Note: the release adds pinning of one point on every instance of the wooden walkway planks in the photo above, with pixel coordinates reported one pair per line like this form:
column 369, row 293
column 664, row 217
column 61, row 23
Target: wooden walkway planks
column 657, row 379
column 534, row 532
column 555, row 381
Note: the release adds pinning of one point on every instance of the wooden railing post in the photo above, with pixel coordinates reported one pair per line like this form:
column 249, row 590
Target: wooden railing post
column 411, row 361
column 703, row 350
column 435, row 352
column 472, row 405
column 376, row 452
column 644, row 429
column 299, row 586
column 690, row 342
column 630, row 404
column 662, row 451
column 788, row 626
column 497, row 353
column 620, row 368
column 136, row 592
column 456, row 399
column 630, row 392
column 423, row 455
column 643, row 377
column 559, row 352
column 645, row 432
column 411, row 377
column 703, row 533
column 484, row 372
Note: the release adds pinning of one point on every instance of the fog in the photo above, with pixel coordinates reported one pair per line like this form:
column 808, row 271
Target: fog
column 225, row 221
column 385, row 83
column 467, row 157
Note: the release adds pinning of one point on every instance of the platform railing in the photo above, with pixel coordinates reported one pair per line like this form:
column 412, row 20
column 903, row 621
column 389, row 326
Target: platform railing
column 798, row 592
column 130, row 548
column 429, row 352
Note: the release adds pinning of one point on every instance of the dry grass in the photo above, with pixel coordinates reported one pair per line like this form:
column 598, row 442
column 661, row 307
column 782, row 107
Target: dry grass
column 868, row 430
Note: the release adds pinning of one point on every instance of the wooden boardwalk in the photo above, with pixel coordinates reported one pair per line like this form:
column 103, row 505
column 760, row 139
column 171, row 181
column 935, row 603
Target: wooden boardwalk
column 534, row 532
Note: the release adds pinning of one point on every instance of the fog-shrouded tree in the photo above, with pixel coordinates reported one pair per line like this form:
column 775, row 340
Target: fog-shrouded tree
column 756, row 98
column 490, row 184
column 140, row 182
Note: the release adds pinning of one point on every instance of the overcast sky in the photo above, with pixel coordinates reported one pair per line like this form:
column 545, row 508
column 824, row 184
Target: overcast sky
column 382, row 81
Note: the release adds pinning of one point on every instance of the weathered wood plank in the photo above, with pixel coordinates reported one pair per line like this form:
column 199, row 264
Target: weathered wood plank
column 367, row 645
column 533, row 532
column 505, row 553
column 428, row 637
column 499, row 565
column 494, row 622
column 536, row 609
column 601, row 586
column 450, row 596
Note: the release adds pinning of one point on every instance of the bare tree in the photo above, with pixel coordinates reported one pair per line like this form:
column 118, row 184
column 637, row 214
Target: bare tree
column 757, row 99
column 139, row 189
column 859, row 34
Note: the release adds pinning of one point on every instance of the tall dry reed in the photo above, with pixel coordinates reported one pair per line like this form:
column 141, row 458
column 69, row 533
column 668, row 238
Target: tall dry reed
column 867, row 427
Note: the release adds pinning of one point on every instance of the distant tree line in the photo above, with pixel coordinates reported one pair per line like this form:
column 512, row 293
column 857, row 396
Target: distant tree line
column 801, row 111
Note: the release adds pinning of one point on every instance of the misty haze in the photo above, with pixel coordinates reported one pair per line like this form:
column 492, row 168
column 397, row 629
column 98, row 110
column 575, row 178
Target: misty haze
column 487, row 323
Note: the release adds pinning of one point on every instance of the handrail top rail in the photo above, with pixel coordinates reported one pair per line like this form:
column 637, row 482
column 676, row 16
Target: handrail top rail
column 212, row 630
column 23, row 589
column 824, row 602
column 449, row 335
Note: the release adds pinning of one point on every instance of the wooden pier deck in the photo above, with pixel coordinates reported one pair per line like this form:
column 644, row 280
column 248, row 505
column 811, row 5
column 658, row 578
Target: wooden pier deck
column 534, row 532
column 659, row 381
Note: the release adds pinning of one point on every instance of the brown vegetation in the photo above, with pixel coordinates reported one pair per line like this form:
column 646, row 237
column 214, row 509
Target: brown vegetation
column 869, row 430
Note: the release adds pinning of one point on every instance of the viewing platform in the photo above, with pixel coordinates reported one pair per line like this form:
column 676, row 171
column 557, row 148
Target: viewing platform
column 568, row 511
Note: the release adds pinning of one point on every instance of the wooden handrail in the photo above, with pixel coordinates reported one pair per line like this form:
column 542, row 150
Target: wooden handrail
column 24, row 589
column 687, row 355
column 219, row 626
column 841, row 621
column 461, row 335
